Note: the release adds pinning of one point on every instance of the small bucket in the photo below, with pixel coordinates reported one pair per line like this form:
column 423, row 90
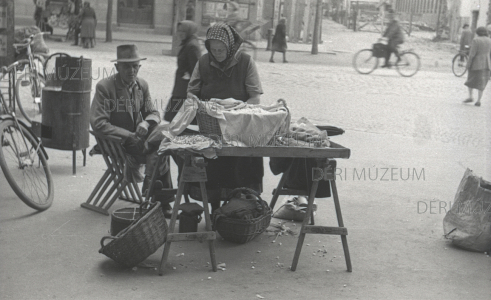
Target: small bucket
column 188, row 222
column 122, row 218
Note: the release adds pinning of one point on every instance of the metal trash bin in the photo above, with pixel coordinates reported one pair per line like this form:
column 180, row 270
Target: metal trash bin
column 66, row 106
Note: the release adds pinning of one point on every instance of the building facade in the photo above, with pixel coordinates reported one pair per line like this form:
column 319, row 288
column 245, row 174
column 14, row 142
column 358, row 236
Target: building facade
column 159, row 16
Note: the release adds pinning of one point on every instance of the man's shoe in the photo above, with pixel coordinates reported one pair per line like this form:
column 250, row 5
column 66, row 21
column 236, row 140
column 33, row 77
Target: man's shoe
column 74, row 45
column 271, row 60
column 468, row 100
column 477, row 104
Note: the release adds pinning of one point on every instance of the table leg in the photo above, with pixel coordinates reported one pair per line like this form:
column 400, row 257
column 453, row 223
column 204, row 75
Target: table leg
column 172, row 224
column 211, row 243
column 74, row 162
column 344, row 239
column 278, row 189
column 305, row 222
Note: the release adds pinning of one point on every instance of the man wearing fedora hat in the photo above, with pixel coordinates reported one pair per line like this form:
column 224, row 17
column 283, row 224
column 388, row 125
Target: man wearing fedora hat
column 122, row 107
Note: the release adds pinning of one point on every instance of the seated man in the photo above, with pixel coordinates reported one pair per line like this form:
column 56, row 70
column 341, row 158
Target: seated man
column 122, row 107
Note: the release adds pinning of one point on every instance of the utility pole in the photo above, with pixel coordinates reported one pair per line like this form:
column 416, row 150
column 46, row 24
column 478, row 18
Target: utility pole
column 438, row 33
column 315, row 35
column 109, row 21
column 7, row 26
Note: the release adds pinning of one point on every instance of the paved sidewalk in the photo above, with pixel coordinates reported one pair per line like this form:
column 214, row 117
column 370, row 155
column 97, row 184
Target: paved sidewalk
column 336, row 38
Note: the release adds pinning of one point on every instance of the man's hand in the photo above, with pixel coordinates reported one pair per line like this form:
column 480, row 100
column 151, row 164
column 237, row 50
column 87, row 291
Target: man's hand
column 142, row 129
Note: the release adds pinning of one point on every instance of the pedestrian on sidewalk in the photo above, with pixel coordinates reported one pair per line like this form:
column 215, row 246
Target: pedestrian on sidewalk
column 479, row 65
column 88, row 24
column 279, row 40
column 187, row 57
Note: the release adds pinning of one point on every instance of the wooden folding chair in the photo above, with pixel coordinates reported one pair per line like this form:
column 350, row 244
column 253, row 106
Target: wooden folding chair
column 112, row 184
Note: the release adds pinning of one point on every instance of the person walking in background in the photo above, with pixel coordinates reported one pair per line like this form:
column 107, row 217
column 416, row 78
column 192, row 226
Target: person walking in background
column 279, row 40
column 88, row 24
column 465, row 40
column 479, row 65
column 186, row 61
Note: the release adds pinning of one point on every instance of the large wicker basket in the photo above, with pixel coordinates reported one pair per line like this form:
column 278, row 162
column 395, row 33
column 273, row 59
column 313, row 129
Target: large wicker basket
column 140, row 240
column 243, row 230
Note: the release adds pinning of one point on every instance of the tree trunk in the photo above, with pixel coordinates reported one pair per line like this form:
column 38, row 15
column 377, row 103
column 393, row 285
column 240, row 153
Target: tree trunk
column 315, row 35
column 109, row 21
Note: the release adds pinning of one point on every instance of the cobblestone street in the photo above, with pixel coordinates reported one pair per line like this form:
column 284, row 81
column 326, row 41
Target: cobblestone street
column 416, row 126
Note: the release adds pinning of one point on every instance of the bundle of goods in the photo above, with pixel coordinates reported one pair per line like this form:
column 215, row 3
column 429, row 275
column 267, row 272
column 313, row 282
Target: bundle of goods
column 294, row 208
column 234, row 121
column 303, row 133
column 194, row 143
column 139, row 240
column 38, row 46
column 243, row 217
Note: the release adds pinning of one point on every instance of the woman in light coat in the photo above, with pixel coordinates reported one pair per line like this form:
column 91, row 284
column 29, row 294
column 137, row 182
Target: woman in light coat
column 479, row 65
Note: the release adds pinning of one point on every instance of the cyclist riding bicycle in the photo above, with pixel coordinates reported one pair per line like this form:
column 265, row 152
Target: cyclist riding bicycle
column 465, row 41
column 395, row 37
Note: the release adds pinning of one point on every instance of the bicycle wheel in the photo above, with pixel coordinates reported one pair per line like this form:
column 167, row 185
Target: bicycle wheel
column 364, row 62
column 49, row 66
column 409, row 64
column 25, row 166
column 459, row 65
column 249, row 48
column 28, row 90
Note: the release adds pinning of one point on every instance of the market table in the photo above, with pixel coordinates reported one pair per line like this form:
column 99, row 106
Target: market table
column 194, row 171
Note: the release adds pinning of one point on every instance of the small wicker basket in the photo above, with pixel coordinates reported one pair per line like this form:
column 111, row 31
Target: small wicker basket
column 207, row 124
column 243, row 230
column 141, row 239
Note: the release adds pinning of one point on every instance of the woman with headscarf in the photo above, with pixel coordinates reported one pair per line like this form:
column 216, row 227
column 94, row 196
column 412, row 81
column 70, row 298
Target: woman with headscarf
column 279, row 40
column 87, row 27
column 224, row 73
column 479, row 65
column 186, row 60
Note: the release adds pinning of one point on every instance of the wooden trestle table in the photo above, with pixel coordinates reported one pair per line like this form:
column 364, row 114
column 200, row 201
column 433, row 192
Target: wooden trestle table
column 194, row 171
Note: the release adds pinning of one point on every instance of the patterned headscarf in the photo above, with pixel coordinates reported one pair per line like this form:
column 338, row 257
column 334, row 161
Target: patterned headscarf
column 226, row 34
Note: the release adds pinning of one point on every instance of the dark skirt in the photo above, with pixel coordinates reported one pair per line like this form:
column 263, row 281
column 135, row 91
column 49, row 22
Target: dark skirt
column 477, row 79
column 279, row 46
column 87, row 28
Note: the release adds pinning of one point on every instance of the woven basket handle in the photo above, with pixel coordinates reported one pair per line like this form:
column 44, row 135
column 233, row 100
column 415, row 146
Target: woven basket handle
column 245, row 191
column 102, row 242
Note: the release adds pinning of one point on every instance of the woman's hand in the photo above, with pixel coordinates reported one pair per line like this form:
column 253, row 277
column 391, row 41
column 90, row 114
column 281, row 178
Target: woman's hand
column 254, row 99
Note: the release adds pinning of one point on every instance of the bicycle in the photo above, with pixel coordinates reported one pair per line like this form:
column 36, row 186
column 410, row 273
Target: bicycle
column 459, row 62
column 23, row 159
column 366, row 61
column 29, row 85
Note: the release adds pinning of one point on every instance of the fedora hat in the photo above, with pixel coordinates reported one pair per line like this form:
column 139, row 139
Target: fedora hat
column 127, row 53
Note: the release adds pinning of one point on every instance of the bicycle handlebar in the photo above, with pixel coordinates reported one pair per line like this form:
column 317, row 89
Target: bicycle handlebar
column 28, row 40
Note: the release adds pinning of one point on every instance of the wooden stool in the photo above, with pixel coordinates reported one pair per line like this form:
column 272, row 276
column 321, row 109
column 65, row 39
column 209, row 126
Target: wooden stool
column 112, row 184
column 325, row 170
column 193, row 171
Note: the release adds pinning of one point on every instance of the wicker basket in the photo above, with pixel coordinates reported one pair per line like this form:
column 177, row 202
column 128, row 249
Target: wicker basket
column 207, row 124
column 140, row 240
column 379, row 50
column 243, row 230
